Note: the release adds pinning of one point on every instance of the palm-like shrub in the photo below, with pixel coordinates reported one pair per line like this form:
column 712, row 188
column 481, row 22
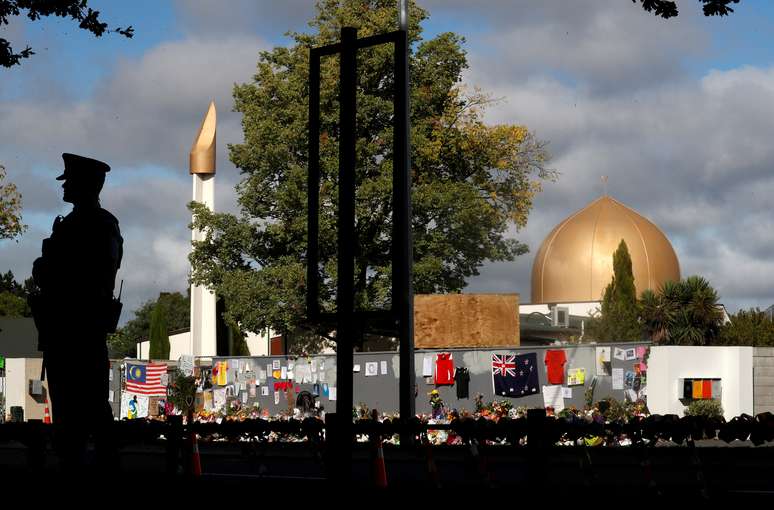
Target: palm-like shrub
column 682, row 313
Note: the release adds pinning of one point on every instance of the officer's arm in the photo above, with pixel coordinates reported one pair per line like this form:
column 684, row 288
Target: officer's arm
column 112, row 255
column 103, row 256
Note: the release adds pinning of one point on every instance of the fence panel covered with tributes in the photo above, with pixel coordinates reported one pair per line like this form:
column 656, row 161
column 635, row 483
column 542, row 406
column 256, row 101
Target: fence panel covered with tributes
column 556, row 376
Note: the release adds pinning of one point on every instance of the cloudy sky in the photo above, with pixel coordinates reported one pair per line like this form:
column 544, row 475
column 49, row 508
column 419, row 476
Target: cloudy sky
column 678, row 113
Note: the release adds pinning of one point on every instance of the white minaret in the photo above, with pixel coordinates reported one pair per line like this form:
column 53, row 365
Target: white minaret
column 202, row 169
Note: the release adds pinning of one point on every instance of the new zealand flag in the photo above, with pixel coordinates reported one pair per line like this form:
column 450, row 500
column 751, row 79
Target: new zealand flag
column 515, row 375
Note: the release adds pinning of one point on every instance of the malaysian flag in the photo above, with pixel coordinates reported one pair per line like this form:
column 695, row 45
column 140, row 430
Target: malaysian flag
column 146, row 379
column 514, row 375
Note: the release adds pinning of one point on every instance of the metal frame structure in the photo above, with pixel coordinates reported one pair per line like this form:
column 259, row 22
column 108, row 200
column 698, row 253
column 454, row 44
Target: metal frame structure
column 400, row 318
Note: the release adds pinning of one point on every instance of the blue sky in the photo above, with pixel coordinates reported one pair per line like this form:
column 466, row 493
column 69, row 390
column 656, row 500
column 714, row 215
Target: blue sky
column 677, row 113
column 744, row 40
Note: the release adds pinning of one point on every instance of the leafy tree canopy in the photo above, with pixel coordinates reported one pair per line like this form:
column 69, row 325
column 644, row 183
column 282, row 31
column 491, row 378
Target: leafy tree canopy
column 668, row 8
column 10, row 209
column 177, row 313
column 13, row 296
column 77, row 10
column 471, row 181
column 13, row 306
column 748, row 327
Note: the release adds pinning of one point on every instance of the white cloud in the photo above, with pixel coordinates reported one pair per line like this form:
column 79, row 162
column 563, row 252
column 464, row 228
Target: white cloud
column 141, row 119
column 607, row 47
column 603, row 81
column 244, row 16
column 693, row 155
column 146, row 112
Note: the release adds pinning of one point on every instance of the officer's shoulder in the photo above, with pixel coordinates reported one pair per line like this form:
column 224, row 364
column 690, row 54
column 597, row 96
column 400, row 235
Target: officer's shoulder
column 107, row 221
column 106, row 216
column 101, row 219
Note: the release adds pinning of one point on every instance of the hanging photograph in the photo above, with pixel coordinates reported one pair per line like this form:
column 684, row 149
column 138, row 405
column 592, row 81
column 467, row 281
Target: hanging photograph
column 604, row 366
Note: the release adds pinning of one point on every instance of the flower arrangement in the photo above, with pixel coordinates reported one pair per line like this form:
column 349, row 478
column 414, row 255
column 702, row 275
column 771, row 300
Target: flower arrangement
column 436, row 402
column 568, row 412
column 501, row 408
column 479, row 402
column 360, row 412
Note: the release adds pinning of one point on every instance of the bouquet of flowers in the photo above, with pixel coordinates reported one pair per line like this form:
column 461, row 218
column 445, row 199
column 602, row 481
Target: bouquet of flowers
column 436, row 402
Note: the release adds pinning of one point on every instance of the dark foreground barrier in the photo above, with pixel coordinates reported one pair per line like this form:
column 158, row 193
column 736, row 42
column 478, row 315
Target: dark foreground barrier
column 505, row 431
column 523, row 452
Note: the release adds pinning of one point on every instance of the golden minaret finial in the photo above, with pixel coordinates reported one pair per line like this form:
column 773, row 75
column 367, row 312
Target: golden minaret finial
column 202, row 157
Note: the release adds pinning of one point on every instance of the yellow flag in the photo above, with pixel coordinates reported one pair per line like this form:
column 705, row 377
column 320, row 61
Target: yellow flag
column 222, row 369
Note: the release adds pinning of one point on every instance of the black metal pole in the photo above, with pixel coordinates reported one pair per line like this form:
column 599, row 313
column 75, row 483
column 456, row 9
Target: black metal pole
column 345, row 290
column 403, row 15
column 403, row 254
column 313, row 189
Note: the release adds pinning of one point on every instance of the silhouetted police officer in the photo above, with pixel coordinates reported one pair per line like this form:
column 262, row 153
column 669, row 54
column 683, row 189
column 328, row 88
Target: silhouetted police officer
column 75, row 310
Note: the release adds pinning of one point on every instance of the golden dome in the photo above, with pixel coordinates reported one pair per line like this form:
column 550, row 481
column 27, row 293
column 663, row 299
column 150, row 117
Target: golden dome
column 575, row 261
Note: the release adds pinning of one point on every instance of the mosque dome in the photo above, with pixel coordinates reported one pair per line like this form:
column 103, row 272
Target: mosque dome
column 575, row 261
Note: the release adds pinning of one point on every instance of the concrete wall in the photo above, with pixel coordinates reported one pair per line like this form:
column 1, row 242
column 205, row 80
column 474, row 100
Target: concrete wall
column 15, row 387
column 34, row 406
column 18, row 373
column 668, row 364
column 180, row 344
column 258, row 344
column 114, row 385
column 381, row 392
column 763, row 379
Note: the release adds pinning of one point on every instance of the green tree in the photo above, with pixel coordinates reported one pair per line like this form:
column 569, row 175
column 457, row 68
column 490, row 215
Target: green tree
column 13, row 296
column 238, row 341
column 748, row 327
column 657, row 314
column 471, row 182
column 159, row 335
column 683, row 313
column 177, row 313
column 13, row 306
column 76, row 10
column 668, row 8
column 618, row 319
column 10, row 209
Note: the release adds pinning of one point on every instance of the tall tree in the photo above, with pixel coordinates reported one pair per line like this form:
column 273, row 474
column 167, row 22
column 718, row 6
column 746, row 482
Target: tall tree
column 13, row 296
column 177, row 311
column 238, row 339
column 159, row 335
column 13, row 306
column 748, row 327
column 618, row 319
column 77, row 10
column 10, row 209
column 471, row 181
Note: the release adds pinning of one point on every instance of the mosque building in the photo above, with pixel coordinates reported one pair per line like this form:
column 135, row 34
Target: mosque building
column 574, row 265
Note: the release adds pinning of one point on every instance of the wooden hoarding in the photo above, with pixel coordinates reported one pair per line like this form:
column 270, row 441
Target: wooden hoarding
column 466, row 320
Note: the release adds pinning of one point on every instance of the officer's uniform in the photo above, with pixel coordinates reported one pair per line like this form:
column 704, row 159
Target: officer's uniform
column 76, row 276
